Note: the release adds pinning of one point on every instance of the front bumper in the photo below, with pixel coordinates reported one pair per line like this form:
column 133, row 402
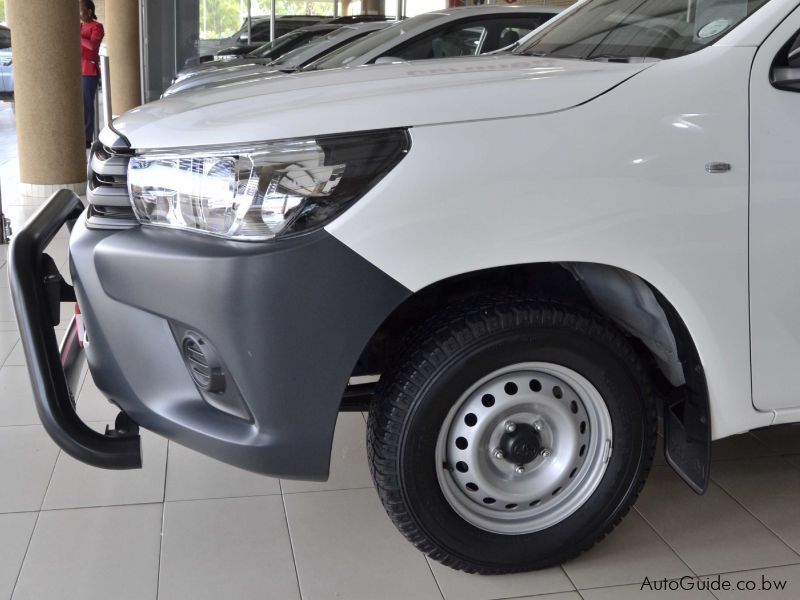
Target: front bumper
column 288, row 320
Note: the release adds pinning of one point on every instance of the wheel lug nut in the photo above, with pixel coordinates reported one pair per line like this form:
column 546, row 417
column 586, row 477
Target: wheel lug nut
column 511, row 427
column 545, row 452
column 538, row 426
column 498, row 454
column 519, row 469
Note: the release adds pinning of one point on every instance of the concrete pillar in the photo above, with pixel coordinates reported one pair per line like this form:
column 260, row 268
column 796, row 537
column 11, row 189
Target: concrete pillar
column 373, row 7
column 48, row 92
column 122, row 40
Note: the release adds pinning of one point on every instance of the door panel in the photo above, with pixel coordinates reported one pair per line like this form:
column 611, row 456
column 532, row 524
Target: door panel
column 775, row 227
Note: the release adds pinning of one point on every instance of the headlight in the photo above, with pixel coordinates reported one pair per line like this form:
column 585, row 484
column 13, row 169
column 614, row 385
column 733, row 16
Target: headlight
column 261, row 191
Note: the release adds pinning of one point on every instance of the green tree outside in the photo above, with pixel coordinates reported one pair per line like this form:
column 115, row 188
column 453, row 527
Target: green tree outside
column 221, row 18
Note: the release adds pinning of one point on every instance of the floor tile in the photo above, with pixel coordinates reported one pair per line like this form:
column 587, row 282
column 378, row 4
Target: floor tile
column 191, row 476
column 93, row 553
column 635, row 592
column 92, row 405
column 17, row 406
column 739, row 447
column 15, row 532
column 770, row 489
column 779, row 583
column 27, row 458
column 457, row 585
column 231, row 548
column 346, row 547
column 710, row 533
column 781, row 438
column 16, row 358
column 349, row 469
column 8, row 339
column 6, row 308
column 75, row 484
column 631, row 552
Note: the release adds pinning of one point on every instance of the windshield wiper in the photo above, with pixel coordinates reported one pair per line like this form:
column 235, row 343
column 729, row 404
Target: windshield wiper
column 621, row 58
column 534, row 53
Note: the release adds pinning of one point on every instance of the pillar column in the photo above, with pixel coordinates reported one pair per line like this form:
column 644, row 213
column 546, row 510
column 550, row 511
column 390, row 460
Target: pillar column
column 48, row 93
column 122, row 41
column 373, row 7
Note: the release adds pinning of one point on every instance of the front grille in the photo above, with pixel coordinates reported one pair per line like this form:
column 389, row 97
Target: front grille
column 107, row 191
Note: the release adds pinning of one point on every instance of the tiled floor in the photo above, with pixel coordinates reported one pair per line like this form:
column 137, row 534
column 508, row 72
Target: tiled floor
column 187, row 527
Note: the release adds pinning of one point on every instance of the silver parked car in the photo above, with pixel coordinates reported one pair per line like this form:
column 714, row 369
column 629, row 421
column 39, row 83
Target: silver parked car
column 466, row 31
column 292, row 60
column 6, row 65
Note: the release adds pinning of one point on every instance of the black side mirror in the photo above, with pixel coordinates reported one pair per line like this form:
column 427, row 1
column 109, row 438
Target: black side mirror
column 786, row 78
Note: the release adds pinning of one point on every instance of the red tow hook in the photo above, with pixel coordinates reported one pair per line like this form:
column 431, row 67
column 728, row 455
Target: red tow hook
column 81, row 326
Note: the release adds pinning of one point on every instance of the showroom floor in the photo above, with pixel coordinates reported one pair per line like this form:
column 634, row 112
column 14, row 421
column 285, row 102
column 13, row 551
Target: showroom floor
column 187, row 527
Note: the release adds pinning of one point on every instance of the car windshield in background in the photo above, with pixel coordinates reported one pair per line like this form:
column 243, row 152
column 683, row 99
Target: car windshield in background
column 5, row 38
column 350, row 52
column 639, row 29
column 266, row 49
column 295, row 58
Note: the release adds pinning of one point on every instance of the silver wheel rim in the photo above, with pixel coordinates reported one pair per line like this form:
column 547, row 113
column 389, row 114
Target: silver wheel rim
column 498, row 494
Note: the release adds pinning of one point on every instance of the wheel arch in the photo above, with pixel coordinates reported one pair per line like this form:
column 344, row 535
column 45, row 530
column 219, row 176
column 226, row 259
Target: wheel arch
column 637, row 307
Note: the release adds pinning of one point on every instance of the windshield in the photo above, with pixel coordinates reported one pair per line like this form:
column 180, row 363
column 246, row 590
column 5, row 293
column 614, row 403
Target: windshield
column 299, row 55
column 629, row 29
column 273, row 48
column 350, row 52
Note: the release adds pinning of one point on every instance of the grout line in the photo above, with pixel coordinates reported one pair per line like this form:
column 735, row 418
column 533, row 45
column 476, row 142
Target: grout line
column 35, row 524
column 564, row 571
column 163, row 515
column 92, row 507
column 663, row 539
column 291, row 542
column 25, row 555
column 430, row 568
column 160, row 547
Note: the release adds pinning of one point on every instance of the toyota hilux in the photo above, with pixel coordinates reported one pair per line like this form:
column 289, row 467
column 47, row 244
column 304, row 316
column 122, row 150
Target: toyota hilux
column 516, row 263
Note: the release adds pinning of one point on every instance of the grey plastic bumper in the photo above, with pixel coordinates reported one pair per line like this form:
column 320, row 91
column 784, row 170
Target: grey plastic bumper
column 288, row 319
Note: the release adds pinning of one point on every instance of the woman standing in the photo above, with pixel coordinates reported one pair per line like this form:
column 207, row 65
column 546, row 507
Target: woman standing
column 91, row 36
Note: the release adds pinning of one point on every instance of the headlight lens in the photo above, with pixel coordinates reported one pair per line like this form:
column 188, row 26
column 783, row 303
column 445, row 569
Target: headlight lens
column 261, row 191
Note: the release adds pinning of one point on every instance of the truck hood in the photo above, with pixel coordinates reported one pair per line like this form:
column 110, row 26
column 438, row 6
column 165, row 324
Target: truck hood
column 370, row 97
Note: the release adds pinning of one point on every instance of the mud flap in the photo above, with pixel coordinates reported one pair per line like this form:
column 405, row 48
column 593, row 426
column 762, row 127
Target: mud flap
column 687, row 438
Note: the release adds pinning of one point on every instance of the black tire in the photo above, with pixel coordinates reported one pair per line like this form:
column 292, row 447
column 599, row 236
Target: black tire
column 441, row 360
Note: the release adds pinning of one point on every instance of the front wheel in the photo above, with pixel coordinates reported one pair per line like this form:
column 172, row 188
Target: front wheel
column 512, row 435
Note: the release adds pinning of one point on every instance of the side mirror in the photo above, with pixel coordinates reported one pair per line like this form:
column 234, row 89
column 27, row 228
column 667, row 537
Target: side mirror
column 786, row 78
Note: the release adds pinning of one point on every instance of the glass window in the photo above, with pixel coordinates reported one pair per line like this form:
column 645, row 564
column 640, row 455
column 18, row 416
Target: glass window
column 628, row 29
column 5, row 38
column 350, row 52
column 464, row 40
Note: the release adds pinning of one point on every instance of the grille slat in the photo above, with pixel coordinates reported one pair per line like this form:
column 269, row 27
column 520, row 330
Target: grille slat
column 107, row 191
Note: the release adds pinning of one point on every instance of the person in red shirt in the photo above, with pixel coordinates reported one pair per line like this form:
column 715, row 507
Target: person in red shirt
column 91, row 36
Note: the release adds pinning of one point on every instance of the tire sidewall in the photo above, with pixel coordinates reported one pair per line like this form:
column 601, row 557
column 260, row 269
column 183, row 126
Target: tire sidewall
column 602, row 365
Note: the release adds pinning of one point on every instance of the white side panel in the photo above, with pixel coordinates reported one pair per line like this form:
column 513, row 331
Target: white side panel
column 774, row 221
column 620, row 180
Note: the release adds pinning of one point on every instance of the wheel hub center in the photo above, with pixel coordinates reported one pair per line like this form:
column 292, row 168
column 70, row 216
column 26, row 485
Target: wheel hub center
column 522, row 445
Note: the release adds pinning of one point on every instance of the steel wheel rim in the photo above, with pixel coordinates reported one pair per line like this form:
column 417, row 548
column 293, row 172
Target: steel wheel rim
column 573, row 428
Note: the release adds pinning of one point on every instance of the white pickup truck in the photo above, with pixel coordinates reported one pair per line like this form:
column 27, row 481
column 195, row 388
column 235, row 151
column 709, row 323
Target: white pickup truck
column 516, row 262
